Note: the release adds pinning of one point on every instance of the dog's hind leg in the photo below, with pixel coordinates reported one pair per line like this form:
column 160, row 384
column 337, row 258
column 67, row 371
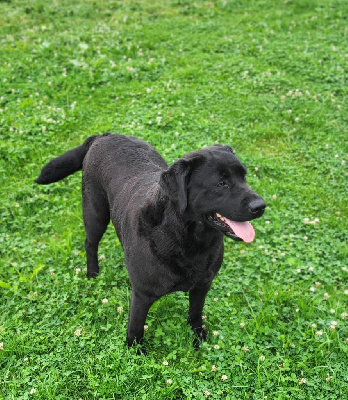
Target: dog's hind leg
column 96, row 216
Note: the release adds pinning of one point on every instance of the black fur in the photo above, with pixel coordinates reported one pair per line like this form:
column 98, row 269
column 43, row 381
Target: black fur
column 163, row 216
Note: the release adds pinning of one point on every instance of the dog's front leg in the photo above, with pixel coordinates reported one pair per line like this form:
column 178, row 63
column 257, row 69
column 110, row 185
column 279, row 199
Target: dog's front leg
column 139, row 307
column 197, row 298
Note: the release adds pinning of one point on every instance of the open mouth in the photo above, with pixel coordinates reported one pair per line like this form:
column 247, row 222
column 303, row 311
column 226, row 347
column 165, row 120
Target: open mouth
column 233, row 229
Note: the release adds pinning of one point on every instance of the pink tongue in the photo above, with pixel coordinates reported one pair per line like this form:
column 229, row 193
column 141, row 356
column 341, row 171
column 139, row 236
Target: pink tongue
column 244, row 230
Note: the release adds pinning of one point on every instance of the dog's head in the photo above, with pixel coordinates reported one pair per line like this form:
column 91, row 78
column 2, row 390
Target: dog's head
column 209, row 185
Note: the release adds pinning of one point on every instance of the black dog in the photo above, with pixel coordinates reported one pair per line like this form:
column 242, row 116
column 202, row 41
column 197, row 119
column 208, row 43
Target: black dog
column 170, row 221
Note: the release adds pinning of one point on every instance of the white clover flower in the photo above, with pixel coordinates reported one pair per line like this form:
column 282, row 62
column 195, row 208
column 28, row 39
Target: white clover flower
column 317, row 284
column 312, row 289
column 120, row 310
column 245, row 349
column 332, row 311
column 216, row 347
column 302, row 381
column 146, row 328
column 214, row 368
column 33, row 391
column 344, row 315
column 206, row 393
column 319, row 333
column 77, row 271
column 332, row 327
column 328, row 378
column 326, row 296
column 223, row 378
column 1, row 346
column 216, row 299
column 78, row 332
column 102, row 257
column 313, row 326
column 262, row 358
column 169, row 382
column 165, row 363
column 105, row 300
column 310, row 269
column 242, row 325
column 215, row 333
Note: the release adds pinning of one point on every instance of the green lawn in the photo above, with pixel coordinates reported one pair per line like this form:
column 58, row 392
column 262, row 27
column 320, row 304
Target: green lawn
column 266, row 77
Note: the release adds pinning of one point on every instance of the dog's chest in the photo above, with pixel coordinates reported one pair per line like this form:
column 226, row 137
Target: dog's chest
column 189, row 260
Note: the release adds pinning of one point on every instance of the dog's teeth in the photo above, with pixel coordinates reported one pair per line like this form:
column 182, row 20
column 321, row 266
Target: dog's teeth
column 220, row 216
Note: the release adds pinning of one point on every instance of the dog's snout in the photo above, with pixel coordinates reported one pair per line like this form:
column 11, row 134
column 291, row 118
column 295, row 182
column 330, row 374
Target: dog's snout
column 257, row 206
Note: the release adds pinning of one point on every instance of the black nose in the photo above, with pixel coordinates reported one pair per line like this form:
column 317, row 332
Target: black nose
column 257, row 206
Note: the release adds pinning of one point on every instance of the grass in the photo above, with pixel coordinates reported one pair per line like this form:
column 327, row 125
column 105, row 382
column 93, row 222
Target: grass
column 265, row 77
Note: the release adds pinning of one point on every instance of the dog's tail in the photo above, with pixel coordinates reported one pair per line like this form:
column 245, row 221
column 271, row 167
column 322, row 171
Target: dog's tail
column 66, row 164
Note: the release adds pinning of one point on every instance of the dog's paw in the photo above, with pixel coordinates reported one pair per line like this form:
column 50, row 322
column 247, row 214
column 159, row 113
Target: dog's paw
column 200, row 336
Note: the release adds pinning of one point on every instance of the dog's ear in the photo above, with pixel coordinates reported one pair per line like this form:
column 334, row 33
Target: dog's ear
column 225, row 147
column 175, row 179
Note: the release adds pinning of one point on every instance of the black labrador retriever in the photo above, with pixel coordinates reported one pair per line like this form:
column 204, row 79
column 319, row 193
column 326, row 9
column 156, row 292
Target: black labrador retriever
column 170, row 221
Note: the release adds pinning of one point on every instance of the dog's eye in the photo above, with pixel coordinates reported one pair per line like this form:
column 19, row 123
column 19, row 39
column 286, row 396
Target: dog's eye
column 221, row 184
